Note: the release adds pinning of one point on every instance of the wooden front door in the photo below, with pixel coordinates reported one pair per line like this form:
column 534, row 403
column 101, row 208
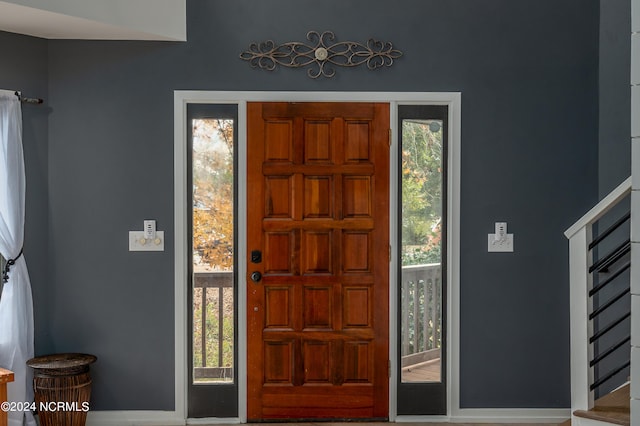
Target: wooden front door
column 318, row 261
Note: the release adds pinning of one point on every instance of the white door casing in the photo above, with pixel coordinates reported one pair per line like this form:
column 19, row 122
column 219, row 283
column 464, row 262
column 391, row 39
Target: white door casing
column 181, row 99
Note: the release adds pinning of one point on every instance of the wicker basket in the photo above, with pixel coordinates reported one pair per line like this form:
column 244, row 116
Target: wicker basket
column 62, row 387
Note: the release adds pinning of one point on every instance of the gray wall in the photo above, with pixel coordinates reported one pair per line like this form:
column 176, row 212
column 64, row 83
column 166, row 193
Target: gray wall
column 615, row 94
column 528, row 73
column 614, row 164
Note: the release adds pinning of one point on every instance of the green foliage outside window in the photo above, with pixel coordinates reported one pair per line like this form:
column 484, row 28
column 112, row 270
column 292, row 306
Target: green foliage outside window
column 421, row 192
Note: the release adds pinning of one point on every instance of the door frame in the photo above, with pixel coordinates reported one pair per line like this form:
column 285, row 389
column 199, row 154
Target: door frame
column 181, row 99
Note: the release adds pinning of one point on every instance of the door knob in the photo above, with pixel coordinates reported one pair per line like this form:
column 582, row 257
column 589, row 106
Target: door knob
column 256, row 276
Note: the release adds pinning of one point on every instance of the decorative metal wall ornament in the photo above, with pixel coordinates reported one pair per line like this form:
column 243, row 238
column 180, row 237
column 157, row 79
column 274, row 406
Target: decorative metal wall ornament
column 321, row 54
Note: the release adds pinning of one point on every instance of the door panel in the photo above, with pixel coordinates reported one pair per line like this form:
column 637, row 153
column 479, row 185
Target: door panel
column 318, row 209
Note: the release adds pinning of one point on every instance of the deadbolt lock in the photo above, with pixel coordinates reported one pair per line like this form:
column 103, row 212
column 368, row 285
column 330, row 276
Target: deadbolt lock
column 256, row 256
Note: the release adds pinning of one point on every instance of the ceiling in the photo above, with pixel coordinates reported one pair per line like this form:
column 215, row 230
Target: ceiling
column 21, row 19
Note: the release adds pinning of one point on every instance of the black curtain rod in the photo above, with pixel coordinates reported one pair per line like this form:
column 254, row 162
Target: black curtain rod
column 24, row 100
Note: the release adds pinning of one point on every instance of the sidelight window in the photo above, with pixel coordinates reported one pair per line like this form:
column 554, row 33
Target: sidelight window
column 422, row 288
column 421, row 254
column 212, row 295
column 213, row 250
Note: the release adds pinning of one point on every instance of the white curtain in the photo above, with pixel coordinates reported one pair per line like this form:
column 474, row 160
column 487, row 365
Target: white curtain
column 16, row 304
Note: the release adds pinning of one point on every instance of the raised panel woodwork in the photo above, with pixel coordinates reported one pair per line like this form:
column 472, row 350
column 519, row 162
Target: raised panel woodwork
column 317, row 307
column 317, row 362
column 278, row 191
column 317, row 142
column 356, row 146
column 278, row 307
column 278, row 362
column 356, row 196
column 357, row 358
column 356, row 252
column 277, row 252
column 318, row 208
column 319, row 399
column 316, row 251
column 317, row 196
column 357, row 307
column 278, row 143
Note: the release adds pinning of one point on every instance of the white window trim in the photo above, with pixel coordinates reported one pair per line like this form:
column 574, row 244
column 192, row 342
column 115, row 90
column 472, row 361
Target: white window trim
column 181, row 99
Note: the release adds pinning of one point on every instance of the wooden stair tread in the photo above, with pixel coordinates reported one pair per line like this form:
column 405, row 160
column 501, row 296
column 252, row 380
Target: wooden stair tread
column 618, row 400
column 614, row 417
column 613, row 408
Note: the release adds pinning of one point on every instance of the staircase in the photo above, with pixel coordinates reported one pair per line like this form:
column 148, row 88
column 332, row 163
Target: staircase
column 600, row 299
column 611, row 409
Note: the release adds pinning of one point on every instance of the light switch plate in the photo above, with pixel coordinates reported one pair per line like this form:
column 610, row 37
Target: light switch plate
column 138, row 242
column 500, row 246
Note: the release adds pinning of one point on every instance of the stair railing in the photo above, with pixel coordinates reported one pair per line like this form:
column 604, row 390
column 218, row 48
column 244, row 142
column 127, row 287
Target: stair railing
column 599, row 268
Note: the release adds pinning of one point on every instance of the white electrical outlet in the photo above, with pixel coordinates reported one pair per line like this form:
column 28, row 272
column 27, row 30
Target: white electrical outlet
column 139, row 242
column 149, row 229
column 500, row 241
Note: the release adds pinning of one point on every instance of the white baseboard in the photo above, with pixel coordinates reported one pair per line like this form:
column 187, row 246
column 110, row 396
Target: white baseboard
column 479, row 415
column 134, row 418
column 511, row 415
column 495, row 415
